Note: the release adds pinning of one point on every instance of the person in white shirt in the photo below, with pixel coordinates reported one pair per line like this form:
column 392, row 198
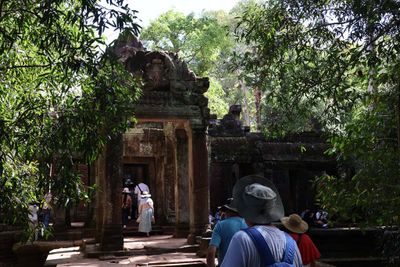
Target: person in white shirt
column 259, row 203
column 138, row 191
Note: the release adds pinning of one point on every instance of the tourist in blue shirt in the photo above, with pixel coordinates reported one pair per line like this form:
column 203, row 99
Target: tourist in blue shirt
column 223, row 233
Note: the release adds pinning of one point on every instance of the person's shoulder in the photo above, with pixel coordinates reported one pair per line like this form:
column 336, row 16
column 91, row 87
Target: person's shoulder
column 239, row 220
column 270, row 229
column 293, row 235
column 272, row 232
column 228, row 221
column 306, row 237
column 240, row 235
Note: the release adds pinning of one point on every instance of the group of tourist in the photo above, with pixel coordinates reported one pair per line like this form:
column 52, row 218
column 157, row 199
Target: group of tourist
column 245, row 236
column 141, row 207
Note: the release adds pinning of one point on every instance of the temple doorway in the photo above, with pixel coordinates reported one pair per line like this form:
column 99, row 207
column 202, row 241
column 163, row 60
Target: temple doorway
column 134, row 174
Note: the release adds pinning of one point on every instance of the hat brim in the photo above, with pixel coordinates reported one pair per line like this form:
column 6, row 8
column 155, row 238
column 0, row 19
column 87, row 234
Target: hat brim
column 229, row 208
column 254, row 214
column 302, row 228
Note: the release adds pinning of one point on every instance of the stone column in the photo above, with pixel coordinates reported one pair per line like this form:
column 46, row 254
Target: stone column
column 182, row 188
column 109, row 176
column 199, row 204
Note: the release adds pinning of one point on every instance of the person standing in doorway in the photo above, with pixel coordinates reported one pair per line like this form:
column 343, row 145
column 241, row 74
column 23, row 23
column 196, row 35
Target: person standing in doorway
column 139, row 189
column 146, row 213
column 126, row 206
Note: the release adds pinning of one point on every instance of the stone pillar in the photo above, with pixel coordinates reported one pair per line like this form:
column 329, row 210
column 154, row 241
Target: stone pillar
column 109, row 177
column 90, row 208
column 182, row 192
column 170, row 174
column 199, row 200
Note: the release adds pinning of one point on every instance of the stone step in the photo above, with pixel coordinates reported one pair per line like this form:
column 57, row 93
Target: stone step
column 134, row 231
column 92, row 251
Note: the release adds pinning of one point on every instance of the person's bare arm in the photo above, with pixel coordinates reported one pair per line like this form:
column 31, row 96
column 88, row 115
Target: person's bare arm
column 212, row 250
column 140, row 209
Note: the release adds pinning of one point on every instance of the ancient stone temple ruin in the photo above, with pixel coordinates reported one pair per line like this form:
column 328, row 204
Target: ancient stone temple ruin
column 165, row 148
column 189, row 160
column 291, row 163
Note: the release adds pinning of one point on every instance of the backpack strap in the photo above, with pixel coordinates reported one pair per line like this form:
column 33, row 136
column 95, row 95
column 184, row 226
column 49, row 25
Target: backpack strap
column 261, row 245
column 290, row 249
column 264, row 251
column 140, row 189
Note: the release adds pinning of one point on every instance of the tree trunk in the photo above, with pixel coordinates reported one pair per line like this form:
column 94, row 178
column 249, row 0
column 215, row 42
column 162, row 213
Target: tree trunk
column 245, row 109
column 257, row 99
column 398, row 117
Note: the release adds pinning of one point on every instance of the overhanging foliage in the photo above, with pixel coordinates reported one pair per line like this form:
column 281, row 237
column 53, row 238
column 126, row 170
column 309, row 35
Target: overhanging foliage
column 62, row 94
column 335, row 63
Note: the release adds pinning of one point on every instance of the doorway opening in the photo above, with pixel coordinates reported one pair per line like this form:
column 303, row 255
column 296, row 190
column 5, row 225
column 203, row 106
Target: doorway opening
column 134, row 174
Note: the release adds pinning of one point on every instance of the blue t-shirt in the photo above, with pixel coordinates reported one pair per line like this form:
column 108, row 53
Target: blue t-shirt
column 223, row 233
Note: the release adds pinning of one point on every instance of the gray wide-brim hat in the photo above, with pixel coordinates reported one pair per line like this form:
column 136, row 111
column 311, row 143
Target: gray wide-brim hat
column 257, row 200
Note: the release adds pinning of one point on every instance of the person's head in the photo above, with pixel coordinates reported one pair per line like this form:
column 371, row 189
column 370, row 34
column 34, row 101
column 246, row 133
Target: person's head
column 257, row 200
column 228, row 209
column 295, row 224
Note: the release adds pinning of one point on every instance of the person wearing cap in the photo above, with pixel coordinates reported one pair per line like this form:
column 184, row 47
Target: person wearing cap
column 262, row 244
column 146, row 213
column 126, row 206
column 223, row 233
column 297, row 229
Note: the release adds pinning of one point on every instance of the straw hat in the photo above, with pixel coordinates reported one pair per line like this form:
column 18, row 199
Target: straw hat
column 126, row 190
column 257, row 200
column 295, row 224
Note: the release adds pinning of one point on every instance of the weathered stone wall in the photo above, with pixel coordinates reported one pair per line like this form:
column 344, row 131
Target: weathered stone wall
column 290, row 163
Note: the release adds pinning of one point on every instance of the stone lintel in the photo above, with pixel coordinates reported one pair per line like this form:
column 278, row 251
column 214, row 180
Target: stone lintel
column 164, row 113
